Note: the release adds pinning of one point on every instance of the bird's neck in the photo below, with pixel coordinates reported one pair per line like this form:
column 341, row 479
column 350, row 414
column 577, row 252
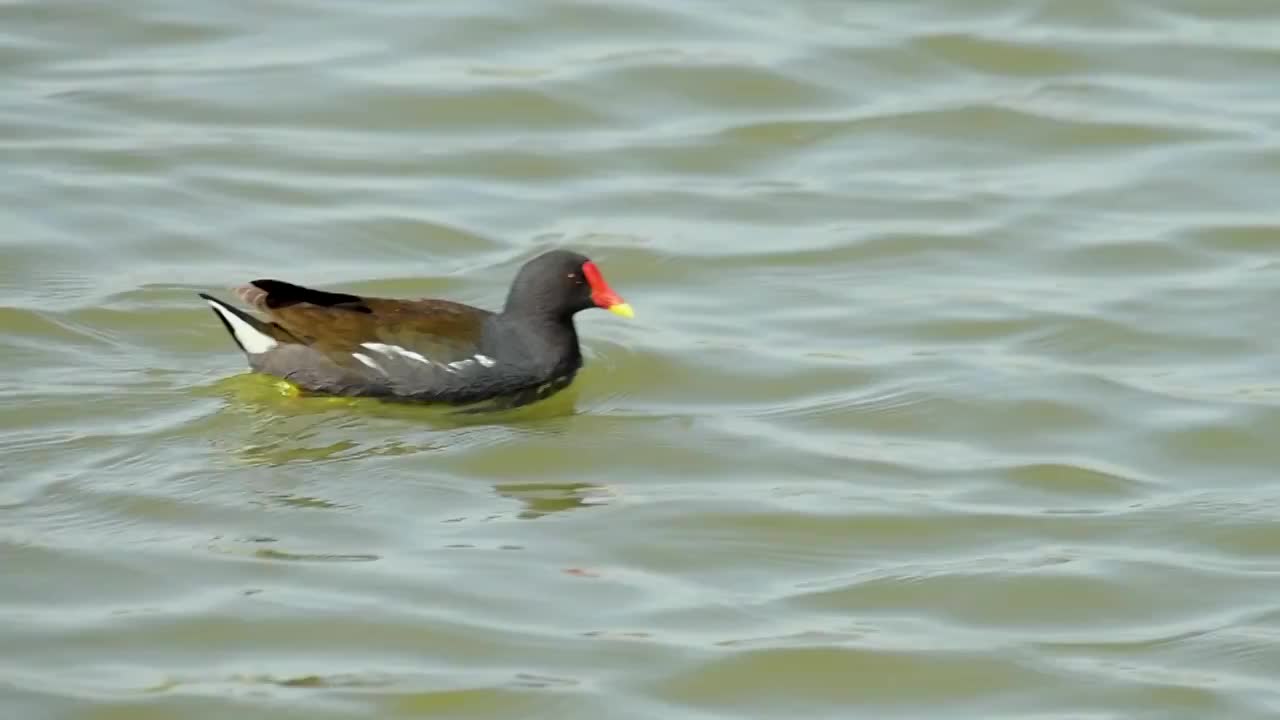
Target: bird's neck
column 548, row 337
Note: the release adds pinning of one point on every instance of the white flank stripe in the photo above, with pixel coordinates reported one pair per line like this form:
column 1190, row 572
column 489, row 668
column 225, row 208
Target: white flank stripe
column 390, row 350
column 457, row 365
column 486, row 361
column 253, row 342
column 367, row 361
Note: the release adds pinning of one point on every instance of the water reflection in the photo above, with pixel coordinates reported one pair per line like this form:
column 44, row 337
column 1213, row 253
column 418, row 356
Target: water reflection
column 542, row 499
column 304, row 502
column 279, row 428
column 243, row 547
column 264, row 396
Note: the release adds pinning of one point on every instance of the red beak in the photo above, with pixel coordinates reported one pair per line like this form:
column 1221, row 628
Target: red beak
column 603, row 295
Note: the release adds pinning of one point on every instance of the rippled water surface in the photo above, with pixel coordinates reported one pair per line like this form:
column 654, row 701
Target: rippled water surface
column 951, row 392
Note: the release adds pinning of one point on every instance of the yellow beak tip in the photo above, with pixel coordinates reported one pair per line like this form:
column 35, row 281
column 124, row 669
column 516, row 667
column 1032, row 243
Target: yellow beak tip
column 622, row 309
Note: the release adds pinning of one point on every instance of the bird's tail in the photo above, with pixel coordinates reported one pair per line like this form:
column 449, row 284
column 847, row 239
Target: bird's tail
column 252, row 335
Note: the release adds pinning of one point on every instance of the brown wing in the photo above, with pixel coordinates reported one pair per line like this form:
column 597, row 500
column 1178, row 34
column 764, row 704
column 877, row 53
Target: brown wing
column 339, row 323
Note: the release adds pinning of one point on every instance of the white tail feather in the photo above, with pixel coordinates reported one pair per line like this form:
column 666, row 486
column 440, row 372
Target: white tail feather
column 251, row 339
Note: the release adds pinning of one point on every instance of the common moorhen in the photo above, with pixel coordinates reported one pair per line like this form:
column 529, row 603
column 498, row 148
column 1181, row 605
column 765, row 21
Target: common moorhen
column 425, row 350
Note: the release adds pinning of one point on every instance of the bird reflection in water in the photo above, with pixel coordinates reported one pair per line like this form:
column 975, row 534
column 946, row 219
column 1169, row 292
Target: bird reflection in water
column 289, row 429
column 541, row 499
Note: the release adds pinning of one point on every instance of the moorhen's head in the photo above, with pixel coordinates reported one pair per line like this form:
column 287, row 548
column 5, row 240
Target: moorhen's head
column 559, row 283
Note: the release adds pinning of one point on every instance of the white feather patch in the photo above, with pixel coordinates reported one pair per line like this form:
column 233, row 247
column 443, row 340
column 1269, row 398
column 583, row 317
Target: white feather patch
column 367, row 361
column 253, row 341
column 396, row 350
column 390, row 350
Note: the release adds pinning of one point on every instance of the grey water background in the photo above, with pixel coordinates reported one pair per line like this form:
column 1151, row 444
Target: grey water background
column 951, row 391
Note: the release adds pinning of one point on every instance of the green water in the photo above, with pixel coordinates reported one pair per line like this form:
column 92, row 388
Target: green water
column 951, row 392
